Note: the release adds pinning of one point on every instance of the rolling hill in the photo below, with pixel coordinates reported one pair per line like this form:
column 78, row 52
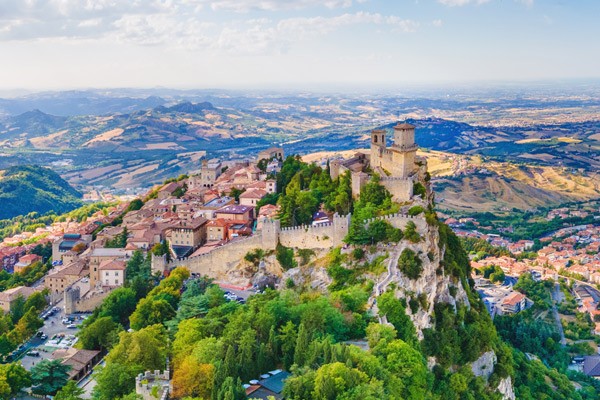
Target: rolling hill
column 25, row 189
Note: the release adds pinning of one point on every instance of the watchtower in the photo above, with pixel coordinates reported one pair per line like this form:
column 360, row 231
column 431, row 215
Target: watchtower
column 378, row 145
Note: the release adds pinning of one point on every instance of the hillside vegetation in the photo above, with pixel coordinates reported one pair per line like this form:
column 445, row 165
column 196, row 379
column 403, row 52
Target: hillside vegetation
column 25, row 189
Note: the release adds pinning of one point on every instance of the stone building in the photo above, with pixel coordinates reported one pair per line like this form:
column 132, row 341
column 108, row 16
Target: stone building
column 398, row 165
column 206, row 177
column 273, row 152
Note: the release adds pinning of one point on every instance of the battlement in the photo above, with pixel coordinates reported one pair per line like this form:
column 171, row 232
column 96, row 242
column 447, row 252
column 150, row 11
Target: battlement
column 153, row 385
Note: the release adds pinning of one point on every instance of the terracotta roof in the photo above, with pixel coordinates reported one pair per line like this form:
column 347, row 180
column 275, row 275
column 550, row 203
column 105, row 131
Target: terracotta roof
column 169, row 187
column 220, row 222
column 112, row 265
column 513, row 299
column 253, row 194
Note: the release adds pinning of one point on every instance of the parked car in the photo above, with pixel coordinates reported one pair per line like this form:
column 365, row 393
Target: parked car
column 44, row 337
column 71, row 326
column 33, row 353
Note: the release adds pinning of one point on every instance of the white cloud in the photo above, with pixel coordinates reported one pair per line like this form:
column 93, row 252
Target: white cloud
column 273, row 5
column 460, row 3
column 437, row 23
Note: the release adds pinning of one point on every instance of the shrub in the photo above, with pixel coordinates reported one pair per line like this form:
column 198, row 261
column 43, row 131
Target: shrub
column 285, row 256
column 410, row 264
column 358, row 253
column 419, row 190
column 255, row 256
column 415, row 210
column 410, row 232
column 305, row 255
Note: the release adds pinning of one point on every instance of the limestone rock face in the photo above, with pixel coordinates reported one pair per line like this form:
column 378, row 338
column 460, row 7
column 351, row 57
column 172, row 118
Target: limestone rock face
column 484, row 365
column 433, row 282
column 506, row 388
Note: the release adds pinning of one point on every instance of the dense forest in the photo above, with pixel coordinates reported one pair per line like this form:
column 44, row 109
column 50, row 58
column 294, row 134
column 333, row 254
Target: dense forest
column 30, row 188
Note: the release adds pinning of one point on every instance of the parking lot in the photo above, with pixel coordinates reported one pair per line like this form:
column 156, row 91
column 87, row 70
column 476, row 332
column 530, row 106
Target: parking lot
column 57, row 335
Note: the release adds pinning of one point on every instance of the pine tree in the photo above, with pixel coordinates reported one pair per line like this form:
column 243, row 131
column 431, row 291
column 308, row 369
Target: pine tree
column 302, row 345
column 230, row 366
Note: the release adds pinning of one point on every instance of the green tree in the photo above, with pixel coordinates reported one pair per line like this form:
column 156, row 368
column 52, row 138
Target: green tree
column 101, row 334
column 302, row 344
column 150, row 311
column 15, row 376
column 114, row 381
column 119, row 305
column 48, row 376
column 70, row 392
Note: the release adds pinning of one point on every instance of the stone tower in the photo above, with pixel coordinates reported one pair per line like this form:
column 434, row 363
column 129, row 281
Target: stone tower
column 378, row 146
column 404, row 151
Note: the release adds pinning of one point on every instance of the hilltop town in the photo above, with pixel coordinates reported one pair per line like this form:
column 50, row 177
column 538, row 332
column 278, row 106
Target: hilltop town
column 234, row 225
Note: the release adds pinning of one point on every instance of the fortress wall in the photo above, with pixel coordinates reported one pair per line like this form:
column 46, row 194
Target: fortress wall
column 221, row 259
column 74, row 303
column 326, row 236
column 308, row 237
column 401, row 189
column 401, row 220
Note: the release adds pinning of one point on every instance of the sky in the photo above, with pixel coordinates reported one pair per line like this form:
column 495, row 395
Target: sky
column 69, row 44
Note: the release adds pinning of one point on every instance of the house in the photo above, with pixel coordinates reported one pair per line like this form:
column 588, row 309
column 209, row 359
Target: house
column 167, row 190
column 57, row 282
column 98, row 256
column 210, row 207
column 252, row 197
column 270, row 386
column 112, row 273
column 186, row 236
column 513, row 303
column 268, row 211
column 9, row 256
column 206, row 177
column 591, row 366
column 25, row 262
column 8, row 297
column 81, row 361
column 320, row 218
column 216, row 230
column 67, row 242
column 272, row 152
column 235, row 229
column 236, row 213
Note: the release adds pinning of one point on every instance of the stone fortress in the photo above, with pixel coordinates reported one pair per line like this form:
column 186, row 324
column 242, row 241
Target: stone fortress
column 398, row 165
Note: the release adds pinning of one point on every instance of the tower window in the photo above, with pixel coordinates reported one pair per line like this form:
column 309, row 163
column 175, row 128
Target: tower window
column 382, row 138
column 375, row 138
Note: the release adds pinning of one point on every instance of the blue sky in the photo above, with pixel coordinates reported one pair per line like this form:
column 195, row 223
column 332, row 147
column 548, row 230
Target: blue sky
column 61, row 44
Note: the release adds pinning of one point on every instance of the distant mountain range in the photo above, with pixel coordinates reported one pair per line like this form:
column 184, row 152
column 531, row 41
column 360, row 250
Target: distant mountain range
column 25, row 189
column 132, row 139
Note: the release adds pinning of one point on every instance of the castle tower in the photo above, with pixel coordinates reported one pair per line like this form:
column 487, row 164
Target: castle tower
column 404, row 150
column 378, row 145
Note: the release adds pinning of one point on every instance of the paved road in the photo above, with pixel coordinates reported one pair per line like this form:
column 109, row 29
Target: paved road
column 558, row 296
column 510, row 280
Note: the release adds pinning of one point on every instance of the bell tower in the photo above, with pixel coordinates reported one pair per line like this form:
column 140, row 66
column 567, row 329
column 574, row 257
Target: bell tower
column 378, row 145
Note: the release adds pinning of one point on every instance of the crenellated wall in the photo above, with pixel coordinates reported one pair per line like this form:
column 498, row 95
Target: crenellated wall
column 74, row 303
column 326, row 236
